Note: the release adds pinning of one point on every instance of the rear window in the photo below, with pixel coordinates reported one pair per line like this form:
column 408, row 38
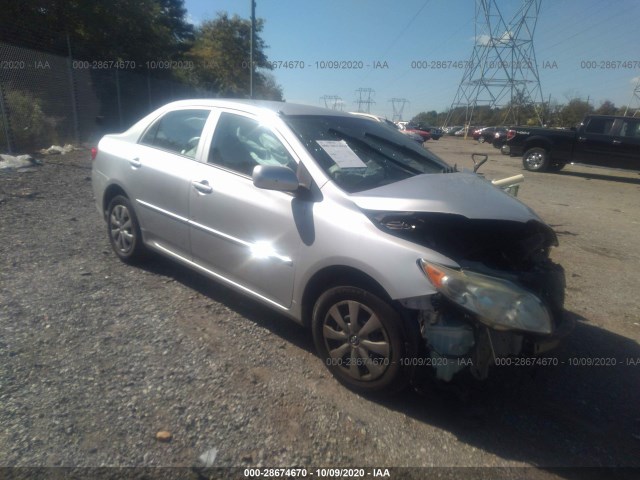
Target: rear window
column 358, row 154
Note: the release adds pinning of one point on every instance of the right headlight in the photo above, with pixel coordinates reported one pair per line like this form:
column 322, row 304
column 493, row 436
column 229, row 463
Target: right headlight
column 498, row 303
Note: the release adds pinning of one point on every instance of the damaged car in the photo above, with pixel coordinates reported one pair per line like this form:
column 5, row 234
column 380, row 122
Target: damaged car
column 394, row 259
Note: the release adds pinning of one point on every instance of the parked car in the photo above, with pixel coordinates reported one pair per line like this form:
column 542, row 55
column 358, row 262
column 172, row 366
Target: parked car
column 602, row 140
column 434, row 132
column 390, row 256
column 377, row 118
column 487, row 134
column 425, row 135
column 500, row 137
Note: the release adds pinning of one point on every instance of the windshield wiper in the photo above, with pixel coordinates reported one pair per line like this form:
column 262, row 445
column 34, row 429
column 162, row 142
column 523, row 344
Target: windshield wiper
column 445, row 169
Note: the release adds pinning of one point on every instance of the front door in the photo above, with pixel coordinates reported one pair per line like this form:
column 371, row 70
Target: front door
column 245, row 235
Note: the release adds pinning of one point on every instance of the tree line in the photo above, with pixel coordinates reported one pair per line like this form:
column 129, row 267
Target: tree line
column 552, row 114
column 145, row 32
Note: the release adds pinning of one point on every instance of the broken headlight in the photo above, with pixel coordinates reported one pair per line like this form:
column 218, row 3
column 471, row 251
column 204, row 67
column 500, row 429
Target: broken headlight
column 498, row 303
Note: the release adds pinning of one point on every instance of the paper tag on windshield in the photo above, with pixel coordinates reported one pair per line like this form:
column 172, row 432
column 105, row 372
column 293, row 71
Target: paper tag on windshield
column 341, row 153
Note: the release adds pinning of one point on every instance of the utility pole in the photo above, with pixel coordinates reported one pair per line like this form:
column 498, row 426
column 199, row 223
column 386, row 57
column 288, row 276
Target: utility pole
column 252, row 42
column 502, row 70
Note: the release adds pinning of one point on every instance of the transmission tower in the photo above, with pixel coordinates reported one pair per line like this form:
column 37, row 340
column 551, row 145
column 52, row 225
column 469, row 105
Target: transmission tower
column 398, row 105
column 502, row 70
column 635, row 98
column 364, row 99
column 334, row 102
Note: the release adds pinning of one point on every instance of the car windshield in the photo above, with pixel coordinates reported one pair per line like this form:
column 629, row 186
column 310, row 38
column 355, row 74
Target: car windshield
column 359, row 154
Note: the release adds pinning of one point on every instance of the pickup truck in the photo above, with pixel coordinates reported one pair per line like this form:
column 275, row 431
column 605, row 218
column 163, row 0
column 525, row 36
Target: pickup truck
column 601, row 140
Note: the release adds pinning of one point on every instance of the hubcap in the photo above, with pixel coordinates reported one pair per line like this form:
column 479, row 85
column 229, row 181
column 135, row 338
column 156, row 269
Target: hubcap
column 121, row 229
column 535, row 160
column 356, row 340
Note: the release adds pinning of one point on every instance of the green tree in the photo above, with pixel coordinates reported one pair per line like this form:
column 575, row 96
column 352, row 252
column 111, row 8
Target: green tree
column 606, row 108
column 99, row 29
column 220, row 55
column 574, row 112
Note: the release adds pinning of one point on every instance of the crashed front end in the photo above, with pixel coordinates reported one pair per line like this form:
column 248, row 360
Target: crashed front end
column 505, row 298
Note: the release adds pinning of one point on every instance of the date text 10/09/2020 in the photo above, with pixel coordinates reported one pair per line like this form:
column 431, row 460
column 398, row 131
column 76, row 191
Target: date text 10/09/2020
column 317, row 472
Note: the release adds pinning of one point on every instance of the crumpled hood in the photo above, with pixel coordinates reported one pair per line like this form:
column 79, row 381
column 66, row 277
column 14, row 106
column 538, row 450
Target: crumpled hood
column 459, row 193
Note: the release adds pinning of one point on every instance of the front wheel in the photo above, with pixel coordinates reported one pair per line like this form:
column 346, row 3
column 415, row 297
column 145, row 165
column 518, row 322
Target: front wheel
column 536, row 159
column 361, row 339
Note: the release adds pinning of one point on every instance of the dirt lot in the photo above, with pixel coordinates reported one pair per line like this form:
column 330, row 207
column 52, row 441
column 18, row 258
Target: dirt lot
column 98, row 356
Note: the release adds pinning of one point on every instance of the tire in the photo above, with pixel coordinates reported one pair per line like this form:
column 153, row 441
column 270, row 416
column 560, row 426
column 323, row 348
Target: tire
column 556, row 167
column 481, row 140
column 369, row 362
column 536, row 159
column 505, row 150
column 123, row 229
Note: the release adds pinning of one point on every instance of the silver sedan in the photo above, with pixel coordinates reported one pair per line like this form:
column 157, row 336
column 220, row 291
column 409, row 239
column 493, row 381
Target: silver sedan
column 395, row 260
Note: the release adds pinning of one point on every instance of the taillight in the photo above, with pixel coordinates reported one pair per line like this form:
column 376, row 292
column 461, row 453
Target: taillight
column 94, row 152
column 511, row 134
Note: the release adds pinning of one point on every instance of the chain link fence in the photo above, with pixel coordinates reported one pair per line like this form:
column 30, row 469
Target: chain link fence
column 50, row 99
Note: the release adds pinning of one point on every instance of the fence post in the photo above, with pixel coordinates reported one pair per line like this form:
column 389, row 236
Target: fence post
column 119, row 100
column 5, row 120
column 72, row 87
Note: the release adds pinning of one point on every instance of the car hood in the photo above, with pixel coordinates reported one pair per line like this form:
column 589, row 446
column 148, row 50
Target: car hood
column 460, row 193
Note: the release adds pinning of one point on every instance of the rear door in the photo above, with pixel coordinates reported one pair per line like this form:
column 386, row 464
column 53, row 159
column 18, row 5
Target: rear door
column 594, row 143
column 627, row 143
column 159, row 180
column 244, row 235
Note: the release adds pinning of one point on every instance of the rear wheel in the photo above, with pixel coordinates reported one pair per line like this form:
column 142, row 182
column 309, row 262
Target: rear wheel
column 124, row 230
column 361, row 339
column 536, row 159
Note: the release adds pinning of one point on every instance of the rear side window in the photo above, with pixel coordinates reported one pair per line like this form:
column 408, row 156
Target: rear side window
column 630, row 128
column 601, row 126
column 178, row 131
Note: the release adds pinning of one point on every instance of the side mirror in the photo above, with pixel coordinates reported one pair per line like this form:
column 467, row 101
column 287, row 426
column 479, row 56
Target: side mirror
column 275, row 177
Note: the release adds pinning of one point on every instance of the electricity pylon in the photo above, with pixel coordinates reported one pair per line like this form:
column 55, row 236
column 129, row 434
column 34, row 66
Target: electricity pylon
column 635, row 98
column 334, row 102
column 364, row 99
column 502, row 70
column 398, row 105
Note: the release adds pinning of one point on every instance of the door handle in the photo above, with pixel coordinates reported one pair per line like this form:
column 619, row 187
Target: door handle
column 617, row 142
column 582, row 139
column 135, row 163
column 202, row 186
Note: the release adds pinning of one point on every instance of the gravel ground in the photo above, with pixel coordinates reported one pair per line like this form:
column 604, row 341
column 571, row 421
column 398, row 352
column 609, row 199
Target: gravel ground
column 97, row 357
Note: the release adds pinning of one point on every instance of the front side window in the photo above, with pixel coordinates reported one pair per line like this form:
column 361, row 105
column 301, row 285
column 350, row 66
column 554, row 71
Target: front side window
column 600, row 126
column 358, row 154
column 240, row 144
column 178, row 131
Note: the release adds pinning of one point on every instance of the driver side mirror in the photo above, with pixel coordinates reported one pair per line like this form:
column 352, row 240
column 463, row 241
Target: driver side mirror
column 275, row 177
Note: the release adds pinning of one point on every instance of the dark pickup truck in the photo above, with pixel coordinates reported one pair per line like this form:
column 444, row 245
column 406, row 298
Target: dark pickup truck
column 602, row 140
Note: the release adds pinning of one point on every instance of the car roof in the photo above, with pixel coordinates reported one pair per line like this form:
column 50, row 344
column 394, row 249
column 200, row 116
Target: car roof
column 256, row 106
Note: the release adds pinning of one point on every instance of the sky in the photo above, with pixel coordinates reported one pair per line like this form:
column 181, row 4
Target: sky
column 417, row 49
